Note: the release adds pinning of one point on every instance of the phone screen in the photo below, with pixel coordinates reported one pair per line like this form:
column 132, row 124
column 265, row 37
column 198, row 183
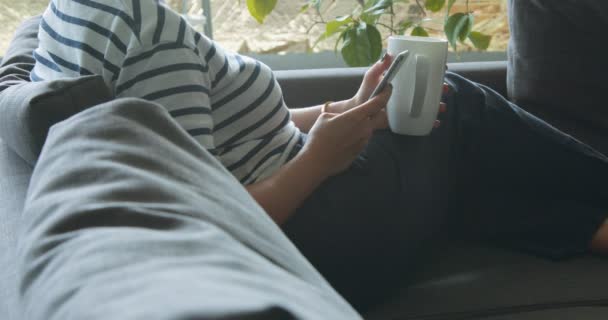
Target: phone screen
column 391, row 72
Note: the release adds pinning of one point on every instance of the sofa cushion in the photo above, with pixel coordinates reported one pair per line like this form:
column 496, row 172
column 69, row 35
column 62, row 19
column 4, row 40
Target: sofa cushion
column 557, row 64
column 465, row 280
column 27, row 110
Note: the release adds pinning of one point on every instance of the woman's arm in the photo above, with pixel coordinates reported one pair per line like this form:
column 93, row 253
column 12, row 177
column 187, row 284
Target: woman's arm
column 334, row 141
column 304, row 118
column 335, row 138
column 284, row 191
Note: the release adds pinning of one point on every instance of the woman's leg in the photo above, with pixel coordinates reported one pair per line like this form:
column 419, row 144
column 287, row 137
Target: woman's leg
column 364, row 228
column 500, row 172
column 520, row 181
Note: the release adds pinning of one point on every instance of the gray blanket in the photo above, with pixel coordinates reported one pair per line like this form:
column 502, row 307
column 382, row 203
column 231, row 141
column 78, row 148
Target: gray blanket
column 127, row 217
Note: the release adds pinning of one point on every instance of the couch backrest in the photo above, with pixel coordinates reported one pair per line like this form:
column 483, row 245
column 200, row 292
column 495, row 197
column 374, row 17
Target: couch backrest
column 303, row 88
column 300, row 87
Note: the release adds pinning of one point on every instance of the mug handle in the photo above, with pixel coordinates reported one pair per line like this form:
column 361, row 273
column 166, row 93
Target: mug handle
column 420, row 85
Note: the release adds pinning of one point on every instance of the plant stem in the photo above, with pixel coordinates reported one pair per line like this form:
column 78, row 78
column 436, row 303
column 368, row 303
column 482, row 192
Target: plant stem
column 468, row 11
column 313, row 25
column 392, row 16
column 319, row 14
column 392, row 30
column 421, row 7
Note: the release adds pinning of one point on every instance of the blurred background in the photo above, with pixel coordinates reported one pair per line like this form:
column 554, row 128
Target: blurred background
column 287, row 36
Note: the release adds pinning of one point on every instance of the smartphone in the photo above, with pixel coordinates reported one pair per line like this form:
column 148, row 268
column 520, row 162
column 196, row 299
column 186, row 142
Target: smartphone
column 391, row 72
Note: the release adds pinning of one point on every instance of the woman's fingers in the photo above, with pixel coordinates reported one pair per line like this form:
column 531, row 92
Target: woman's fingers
column 369, row 108
column 380, row 120
column 446, row 88
column 374, row 73
column 443, row 107
column 361, row 145
column 372, row 77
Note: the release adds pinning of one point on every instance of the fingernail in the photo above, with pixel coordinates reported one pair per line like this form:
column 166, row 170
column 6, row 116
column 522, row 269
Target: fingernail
column 384, row 57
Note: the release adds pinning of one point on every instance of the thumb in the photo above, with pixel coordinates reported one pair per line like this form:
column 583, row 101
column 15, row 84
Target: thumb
column 369, row 108
column 376, row 70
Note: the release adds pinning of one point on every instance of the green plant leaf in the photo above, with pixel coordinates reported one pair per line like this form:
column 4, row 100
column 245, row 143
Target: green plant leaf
column 419, row 32
column 369, row 19
column 450, row 4
column 403, row 26
column 434, row 5
column 362, row 45
column 480, row 41
column 457, row 27
column 311, row 3
column 342, row 36
column 375, row 9
column 334, row 26
column 378, row 7
column 467, row 27
column 259, row 9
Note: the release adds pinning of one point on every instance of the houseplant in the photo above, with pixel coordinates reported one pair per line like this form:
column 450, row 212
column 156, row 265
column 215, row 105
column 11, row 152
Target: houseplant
column 357, row 35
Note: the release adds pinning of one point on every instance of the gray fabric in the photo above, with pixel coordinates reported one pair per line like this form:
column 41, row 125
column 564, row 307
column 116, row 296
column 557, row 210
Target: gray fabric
column 29, row 109
column 342, row 83
column 464, row 280
column 14, row 179
column 452, row 280
column 557, row 64
column 127, row 217
column 565, row 313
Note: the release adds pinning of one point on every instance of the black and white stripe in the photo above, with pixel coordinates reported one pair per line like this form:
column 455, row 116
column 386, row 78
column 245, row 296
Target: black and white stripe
column 232, row 105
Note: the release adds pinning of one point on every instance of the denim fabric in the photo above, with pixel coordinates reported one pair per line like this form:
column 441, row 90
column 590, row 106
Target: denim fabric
column 491, row 171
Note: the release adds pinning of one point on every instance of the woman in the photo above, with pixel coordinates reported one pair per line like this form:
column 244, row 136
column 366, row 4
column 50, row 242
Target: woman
column 356, row 199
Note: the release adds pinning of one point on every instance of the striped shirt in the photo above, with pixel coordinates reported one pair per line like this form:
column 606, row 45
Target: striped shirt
column 231, row 104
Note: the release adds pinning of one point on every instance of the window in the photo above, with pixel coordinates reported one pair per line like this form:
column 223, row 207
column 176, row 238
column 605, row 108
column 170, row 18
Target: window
column 12, row 13
column 286, row 38
column 283, row 41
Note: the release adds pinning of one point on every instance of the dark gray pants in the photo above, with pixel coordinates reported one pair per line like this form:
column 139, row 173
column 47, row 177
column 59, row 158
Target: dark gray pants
column 491, row 170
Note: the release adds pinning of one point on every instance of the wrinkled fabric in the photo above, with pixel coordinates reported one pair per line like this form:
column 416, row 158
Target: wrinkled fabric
column 492, row 171
column 127, row 217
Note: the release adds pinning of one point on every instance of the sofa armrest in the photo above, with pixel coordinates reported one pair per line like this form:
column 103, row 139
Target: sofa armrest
column 303, row 88
column 492, row 74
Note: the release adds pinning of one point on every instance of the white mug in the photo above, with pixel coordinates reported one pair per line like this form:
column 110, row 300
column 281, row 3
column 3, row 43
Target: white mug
column 414, row 103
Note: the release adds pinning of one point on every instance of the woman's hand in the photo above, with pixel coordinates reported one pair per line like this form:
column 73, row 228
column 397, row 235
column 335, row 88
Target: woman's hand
column 372, row 78
column 335, row 140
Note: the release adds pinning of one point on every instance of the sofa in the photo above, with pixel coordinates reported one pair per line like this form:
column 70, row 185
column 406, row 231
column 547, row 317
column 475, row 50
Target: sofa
column 462, row 279
column 457, row 279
